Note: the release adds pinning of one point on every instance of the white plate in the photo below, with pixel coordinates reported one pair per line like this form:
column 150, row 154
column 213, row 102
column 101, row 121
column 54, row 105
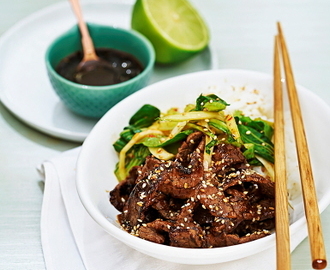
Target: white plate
column 24, row 86
column 97, row 159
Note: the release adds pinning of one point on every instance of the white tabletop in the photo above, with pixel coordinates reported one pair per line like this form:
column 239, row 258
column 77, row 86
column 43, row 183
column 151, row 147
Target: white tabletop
column 242, row 36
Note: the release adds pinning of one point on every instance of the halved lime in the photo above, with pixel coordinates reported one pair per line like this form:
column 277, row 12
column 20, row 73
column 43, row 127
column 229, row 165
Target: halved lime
column 174, row 27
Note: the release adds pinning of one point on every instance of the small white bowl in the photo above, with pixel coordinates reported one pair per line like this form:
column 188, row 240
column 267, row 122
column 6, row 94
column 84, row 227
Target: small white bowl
column 97, row 159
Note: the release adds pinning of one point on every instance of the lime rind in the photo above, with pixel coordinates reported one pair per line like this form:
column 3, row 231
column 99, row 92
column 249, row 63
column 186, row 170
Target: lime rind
column 171, row 44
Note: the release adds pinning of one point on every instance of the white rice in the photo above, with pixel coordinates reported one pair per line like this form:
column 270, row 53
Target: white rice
column 249, row 100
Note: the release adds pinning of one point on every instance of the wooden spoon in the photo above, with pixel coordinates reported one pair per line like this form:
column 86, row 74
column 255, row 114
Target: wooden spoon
column 91, row 68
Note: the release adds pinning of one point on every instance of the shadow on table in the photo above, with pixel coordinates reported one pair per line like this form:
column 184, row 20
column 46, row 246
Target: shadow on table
column 32, row 134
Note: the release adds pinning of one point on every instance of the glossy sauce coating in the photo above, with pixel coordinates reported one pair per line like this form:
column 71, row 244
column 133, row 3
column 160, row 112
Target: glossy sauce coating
column 121, row 66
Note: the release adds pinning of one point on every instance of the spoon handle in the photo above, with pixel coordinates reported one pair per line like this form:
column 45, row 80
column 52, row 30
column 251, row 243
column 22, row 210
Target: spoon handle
column 86, row 40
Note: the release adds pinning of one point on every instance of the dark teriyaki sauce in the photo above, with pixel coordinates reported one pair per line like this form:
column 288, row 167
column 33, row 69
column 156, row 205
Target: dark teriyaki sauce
column 123, row 66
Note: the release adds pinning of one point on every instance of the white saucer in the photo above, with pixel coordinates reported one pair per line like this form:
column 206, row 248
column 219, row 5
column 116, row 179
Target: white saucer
column 24, row 86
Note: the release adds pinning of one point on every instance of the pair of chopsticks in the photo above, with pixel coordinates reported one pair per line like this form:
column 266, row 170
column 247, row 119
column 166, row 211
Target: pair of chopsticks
column 316, row 241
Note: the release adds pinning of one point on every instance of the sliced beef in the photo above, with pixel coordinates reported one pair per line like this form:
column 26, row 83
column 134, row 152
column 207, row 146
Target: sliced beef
column 259, row 183
column 149, row 169
column 214, row 200
column 120, row 194
column 227, row 158
column 188, row 235
column 178, row 203
column 136, row 208
column 155, row 231
column 186, row 172
column 176, row 234
column 168, row 207
column 233, row 239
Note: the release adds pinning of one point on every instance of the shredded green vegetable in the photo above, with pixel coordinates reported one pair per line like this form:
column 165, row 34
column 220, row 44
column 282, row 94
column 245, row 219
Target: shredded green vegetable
column 149, row 131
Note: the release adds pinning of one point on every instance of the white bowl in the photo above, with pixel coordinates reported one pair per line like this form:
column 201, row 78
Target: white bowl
column 97, row 159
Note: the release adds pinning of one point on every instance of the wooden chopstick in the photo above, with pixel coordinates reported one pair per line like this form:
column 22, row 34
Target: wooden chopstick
column 307, row 181
column 283, row 261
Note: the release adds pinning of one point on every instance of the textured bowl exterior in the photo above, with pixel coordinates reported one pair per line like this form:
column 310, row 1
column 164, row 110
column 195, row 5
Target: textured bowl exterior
column 95, row 101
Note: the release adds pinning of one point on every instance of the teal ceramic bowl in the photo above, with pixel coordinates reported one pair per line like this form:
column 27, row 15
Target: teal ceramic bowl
column 95, row 101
